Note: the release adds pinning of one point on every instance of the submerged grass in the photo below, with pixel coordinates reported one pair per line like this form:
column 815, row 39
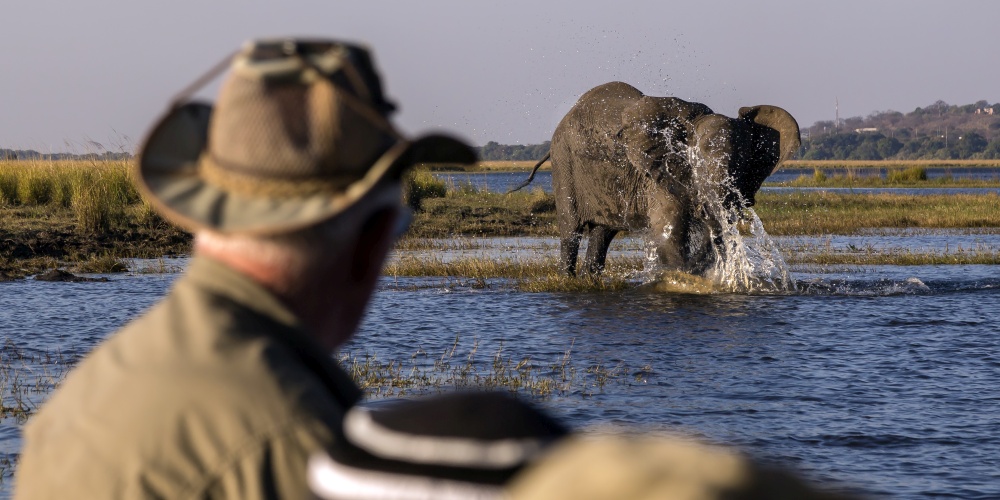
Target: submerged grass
column 26, row 379
column 424, row 373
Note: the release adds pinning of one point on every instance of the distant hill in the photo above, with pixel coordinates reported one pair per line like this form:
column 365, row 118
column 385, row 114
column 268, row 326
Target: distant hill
column 938, row 131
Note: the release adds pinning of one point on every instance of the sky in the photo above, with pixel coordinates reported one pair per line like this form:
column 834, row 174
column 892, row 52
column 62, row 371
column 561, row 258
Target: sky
column 89, row 75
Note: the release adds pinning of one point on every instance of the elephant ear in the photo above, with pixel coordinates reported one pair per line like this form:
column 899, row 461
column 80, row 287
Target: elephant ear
column 779, row 120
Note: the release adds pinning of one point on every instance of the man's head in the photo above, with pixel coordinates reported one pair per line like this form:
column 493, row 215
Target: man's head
column 293, row 177
column 327, row 272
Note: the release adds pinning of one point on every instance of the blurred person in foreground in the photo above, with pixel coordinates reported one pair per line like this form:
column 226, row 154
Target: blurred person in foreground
column 227, row 388
column 291, row 186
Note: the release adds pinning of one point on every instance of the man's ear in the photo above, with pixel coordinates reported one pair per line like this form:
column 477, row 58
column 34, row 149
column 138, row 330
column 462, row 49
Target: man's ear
column 373, row 244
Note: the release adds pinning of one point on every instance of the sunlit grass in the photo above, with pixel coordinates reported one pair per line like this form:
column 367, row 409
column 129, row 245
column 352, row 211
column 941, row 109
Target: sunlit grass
column 817, row 213
column 98, row 192
column 536, row 274
column 472, row 212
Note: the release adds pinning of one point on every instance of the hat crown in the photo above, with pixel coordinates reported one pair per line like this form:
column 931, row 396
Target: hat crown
column 299, row 133
column 298, row 111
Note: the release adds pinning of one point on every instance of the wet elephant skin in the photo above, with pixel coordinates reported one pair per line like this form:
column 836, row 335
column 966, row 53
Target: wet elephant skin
column 622, row 160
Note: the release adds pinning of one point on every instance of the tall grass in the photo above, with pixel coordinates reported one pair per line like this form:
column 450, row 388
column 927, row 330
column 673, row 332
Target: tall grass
column 906, row 175
column 419, row 185
column 99, row 193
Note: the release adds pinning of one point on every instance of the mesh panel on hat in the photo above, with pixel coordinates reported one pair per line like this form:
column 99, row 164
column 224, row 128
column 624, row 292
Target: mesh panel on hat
column 291, row 130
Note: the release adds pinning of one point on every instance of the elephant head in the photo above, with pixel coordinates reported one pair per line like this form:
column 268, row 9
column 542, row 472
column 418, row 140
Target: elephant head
column 737, row 154
column 704, row 168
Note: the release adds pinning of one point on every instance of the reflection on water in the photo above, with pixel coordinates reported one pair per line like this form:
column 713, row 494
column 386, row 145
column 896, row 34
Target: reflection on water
column 883, row 377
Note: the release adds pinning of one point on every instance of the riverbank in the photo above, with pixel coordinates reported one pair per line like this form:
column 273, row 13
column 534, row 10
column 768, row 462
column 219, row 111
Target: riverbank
column 87, row 217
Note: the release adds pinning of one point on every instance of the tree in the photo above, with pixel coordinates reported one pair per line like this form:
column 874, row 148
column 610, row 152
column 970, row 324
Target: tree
column 969, row 144
column 992, row 151
column 887, row 147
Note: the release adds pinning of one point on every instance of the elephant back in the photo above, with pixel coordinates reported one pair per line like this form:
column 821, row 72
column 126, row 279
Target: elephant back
column 595, row 119
column 589, row 168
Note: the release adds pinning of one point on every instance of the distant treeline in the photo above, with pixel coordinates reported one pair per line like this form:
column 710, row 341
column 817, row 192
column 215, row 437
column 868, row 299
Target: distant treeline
column 29, row 154
column 937, row 132
column 512, row 152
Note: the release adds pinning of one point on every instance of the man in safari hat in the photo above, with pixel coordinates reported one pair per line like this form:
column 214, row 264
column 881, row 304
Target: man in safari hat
column 291, row 185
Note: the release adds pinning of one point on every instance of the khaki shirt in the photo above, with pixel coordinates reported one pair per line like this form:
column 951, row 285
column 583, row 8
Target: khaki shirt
column 651, row 467
column 216, row 392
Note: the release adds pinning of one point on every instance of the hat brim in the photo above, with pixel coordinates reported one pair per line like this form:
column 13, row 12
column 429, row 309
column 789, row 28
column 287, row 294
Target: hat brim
column 168, row 175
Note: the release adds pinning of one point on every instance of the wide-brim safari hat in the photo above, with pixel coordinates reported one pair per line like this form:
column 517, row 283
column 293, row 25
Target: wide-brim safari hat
column 299, row 133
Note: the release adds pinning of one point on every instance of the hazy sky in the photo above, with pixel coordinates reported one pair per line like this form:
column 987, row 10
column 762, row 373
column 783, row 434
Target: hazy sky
column 102, row 70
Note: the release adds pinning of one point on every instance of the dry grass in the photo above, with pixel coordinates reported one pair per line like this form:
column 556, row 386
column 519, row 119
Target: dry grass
column 529, row 275
column 98, row 192
column 467, row 211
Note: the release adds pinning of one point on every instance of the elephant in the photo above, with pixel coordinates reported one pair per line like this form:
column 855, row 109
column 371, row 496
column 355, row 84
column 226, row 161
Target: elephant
column 625, row 161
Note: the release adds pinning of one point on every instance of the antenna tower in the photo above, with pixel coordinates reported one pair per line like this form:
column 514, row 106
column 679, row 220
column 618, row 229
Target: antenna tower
column 836, row 122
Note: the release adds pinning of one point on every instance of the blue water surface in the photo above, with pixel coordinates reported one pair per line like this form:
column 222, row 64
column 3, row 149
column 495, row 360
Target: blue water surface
column 883, row 380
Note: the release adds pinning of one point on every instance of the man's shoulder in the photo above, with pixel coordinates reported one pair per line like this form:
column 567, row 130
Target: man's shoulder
column 184, row 390
column 195, row 354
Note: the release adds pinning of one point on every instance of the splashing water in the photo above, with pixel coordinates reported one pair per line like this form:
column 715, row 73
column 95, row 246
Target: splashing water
column 749, row 264
column 739, row 264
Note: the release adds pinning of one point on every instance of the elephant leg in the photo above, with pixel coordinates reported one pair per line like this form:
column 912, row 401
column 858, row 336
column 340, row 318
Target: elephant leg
column 597, row 249
column 670, row 229
column 569, row 246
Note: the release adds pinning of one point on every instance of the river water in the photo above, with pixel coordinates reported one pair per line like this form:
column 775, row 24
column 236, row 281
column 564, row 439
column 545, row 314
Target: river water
column 883, row 379
column 499, row 182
